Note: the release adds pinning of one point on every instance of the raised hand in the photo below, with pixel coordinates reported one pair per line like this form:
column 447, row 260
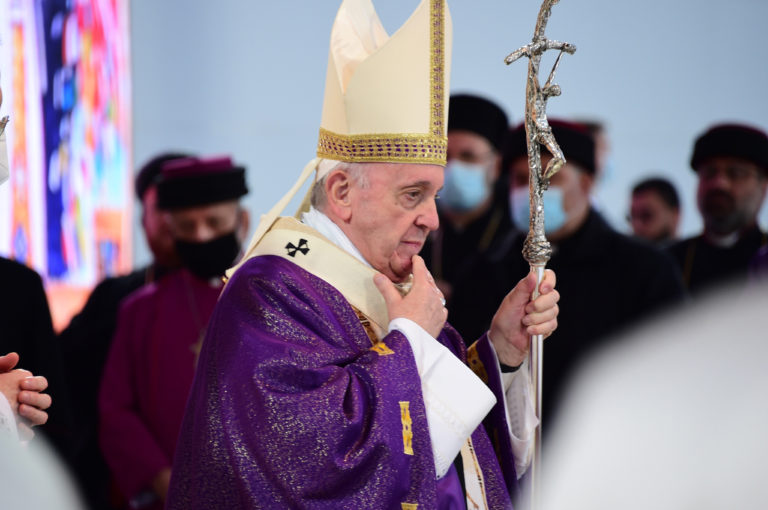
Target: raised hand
column 424, row 304
column 518, row 318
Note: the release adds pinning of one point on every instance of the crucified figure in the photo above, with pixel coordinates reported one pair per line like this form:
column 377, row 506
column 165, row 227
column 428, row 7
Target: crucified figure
column 537, row 249
column 536, row 95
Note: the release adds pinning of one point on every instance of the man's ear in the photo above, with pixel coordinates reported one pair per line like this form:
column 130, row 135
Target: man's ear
column 338, row 189
column 245, row 223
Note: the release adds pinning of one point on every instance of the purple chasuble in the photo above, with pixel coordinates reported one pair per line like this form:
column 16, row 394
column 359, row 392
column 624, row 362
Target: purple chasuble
column 291, row 406
column 450, row 495
column 148, row 374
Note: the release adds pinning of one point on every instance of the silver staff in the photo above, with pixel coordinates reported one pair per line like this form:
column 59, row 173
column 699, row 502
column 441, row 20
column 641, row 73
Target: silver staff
column 537, row 249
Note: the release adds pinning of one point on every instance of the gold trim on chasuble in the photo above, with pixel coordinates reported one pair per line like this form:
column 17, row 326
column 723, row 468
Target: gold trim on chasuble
column 409, row 506
column 405, row 418
column 405, row 147
column 473, row 360
column 382, row 349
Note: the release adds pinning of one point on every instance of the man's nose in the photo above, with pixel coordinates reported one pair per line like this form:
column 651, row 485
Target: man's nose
column 428, row 217
column 203, row 233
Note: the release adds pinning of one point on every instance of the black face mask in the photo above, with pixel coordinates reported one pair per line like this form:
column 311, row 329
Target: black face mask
column 209, row 259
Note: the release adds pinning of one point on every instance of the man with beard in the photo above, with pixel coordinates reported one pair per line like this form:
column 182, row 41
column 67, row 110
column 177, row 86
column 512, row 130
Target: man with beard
column 161, row 326
column 731, row 161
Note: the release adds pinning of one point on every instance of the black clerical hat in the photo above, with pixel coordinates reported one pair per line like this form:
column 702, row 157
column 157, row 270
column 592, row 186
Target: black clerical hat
column 734, row 140
column 193, row 182
column 478, row 115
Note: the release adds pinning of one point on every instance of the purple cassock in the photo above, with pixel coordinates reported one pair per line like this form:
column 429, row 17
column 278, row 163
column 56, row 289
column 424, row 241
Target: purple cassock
column 291, row 407
column 148, row 374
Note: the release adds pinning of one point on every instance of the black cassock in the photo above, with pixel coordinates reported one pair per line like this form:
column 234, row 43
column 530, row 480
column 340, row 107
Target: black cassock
column 607, row 282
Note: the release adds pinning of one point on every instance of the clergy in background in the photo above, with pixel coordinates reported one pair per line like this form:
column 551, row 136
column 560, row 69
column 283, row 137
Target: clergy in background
column 473, row 205
column 160, row 327
column 86, row 341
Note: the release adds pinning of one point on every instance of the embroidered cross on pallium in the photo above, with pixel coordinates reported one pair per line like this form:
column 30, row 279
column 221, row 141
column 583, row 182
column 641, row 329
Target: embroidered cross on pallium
column 303, row 247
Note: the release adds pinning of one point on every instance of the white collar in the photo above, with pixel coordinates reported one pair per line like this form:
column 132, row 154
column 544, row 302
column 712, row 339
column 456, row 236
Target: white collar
column 323, row 224
column 724, row 241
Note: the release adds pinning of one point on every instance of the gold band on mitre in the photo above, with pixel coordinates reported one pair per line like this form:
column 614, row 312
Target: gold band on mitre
column 386, row 98
column 402, row 148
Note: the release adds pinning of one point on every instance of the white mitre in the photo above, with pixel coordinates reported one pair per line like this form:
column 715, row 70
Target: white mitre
column 386, row 98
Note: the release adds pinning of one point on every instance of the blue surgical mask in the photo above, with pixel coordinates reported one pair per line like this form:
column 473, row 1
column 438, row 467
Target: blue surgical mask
column 552, row 200
column 465, row 186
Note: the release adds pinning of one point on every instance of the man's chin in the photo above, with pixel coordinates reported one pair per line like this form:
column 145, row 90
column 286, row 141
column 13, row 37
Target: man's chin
column 401, row 275
column 399, row 270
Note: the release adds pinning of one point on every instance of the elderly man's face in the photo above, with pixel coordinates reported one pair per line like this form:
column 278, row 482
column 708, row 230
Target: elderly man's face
column 392, row 216
column 730, row 193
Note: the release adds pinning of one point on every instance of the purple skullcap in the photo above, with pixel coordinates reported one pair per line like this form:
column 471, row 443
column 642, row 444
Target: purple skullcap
column 732, row 140
column 194, row 182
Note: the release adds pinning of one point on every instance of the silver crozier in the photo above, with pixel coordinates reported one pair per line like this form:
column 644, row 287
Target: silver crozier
column 537, row 249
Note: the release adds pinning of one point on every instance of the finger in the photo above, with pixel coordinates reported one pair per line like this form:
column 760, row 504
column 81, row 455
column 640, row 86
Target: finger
column 548, row 282
column 420, row 271
column 41, row 401
column 8, row 361
column 387, row 289
column 543, row 302
column 33, row 415
column 546, row 328
column 535, row 318
column 521, row 294
column 36, row 383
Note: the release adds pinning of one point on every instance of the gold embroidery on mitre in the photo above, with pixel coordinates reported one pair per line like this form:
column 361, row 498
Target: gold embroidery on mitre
column 437, row 85
column 405, row 418
column 473, row 360
column 409, row 506
column 382, row 349
column 426, row 144
column 404, row 147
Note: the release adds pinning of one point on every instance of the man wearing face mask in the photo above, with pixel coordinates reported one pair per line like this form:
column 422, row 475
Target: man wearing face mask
column 472, row 204
column 731, row 161
column 160, row 327
column 589, row 257
column 86, row 341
